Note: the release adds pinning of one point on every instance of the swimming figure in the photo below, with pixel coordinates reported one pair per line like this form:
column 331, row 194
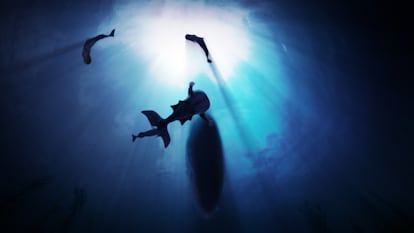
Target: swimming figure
column 197, row 102
column 86, row 52
column 199, row 41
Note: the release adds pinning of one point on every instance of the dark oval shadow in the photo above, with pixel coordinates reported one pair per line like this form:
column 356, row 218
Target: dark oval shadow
column 205, row 164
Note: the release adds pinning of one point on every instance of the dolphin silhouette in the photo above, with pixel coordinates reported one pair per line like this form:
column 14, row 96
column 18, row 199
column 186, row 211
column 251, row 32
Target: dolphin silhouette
column 197, row 102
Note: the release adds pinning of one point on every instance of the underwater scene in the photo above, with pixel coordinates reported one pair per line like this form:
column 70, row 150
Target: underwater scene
column 206, row 116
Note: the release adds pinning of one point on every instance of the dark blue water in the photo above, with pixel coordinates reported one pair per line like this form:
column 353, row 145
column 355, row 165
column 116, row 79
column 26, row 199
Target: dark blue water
column 313, row 104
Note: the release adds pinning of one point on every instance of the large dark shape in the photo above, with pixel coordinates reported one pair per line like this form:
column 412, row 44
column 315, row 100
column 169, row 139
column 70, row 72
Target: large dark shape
column 205, row 164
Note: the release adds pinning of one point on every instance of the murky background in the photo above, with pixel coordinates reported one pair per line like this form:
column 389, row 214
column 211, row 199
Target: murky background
column 311, row 101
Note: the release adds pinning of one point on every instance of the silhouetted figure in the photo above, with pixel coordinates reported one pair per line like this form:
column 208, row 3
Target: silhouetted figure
column 205, row 165
column 199, row 41
column 197, row 102
column 86, row 52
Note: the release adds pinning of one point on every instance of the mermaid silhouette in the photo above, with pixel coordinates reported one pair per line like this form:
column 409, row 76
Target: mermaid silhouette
column 86, row 52
column 199, row 41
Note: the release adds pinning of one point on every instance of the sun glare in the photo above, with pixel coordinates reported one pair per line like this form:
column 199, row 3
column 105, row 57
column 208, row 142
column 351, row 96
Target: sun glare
column 157, row 34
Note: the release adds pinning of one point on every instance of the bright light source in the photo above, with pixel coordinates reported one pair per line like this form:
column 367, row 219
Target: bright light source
column 156, row 32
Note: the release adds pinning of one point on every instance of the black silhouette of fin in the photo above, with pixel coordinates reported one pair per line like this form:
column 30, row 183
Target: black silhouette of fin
column 163, row 133
column 175, row 106
column 112, row 33
column 182, row 121
column 153, row 117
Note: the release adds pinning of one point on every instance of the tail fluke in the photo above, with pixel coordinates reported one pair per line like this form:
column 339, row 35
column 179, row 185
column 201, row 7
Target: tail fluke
column 156, row 120
column 134, row 137
column 112, row 33
column 153, row 117
column 165, row 136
